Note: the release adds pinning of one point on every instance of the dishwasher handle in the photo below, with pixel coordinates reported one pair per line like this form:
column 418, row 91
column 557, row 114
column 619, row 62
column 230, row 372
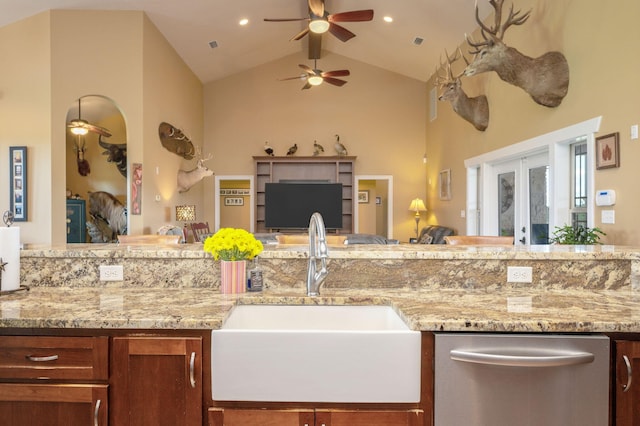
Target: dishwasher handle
column 541, row 359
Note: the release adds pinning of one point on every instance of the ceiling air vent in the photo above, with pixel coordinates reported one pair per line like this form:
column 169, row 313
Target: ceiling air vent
column 418, row 41
column 213, row 44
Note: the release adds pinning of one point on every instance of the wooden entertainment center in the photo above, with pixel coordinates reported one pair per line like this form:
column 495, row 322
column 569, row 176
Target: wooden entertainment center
column 331, row 169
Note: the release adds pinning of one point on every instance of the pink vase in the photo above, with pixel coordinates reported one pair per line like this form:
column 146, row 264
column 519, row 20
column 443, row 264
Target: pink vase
column 233, row 276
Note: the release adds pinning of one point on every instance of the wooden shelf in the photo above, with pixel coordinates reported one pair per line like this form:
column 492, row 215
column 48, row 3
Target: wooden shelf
column 334, row 169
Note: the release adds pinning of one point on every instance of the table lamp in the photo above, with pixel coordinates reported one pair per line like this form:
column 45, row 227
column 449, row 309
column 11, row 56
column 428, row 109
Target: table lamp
column 417, row 205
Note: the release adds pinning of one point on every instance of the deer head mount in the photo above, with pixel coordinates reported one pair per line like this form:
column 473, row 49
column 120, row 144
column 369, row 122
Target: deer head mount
column 474, row 110
column 83, row 165
column 186, row 179
column 545, row 78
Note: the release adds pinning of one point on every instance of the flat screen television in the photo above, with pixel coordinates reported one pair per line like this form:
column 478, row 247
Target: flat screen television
column 290, row 205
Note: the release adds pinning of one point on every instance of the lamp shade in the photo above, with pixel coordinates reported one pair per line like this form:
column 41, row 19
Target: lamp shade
column 319, row 26
column 417, row 205
column 185, row 213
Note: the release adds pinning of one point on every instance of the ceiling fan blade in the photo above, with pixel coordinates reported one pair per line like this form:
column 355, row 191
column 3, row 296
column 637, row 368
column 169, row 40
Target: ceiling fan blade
column 307, row 69
column 353, row 16
column 99, row 130
column 317, row 7
column 300, row 34
column 284, row 19
column 335, row 81
column 336, row 73
column 306, row 86
column 341, row 33
column 315, row 45
column 298, row 77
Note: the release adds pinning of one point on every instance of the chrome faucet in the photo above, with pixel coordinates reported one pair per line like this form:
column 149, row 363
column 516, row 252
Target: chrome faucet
column 317, row 249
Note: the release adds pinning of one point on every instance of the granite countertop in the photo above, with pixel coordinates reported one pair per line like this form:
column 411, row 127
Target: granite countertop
column 439, row 310
column 607, row 300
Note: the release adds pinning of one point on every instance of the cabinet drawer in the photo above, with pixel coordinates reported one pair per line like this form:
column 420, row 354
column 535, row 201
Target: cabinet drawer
column 43, row 357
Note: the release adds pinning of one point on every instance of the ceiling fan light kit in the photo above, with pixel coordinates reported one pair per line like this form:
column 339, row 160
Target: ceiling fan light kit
column 79, row 127
column 319, row 26
column 315, row 80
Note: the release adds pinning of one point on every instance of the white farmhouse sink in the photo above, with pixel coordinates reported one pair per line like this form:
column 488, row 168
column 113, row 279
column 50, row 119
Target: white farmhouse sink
column 315, row 353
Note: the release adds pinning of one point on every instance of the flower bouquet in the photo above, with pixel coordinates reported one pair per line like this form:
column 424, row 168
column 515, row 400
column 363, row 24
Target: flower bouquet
column 233, row 247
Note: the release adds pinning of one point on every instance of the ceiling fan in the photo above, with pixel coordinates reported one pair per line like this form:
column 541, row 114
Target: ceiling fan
column 320, row 21
column 316, row 77
column 81, row 127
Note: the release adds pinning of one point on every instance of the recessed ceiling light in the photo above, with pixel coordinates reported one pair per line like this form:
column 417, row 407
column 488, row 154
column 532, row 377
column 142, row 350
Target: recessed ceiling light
column 244, row 21
column 388, row 19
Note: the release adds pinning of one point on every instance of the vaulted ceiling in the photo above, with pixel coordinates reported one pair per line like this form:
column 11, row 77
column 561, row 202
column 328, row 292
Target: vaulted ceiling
column 190, row 26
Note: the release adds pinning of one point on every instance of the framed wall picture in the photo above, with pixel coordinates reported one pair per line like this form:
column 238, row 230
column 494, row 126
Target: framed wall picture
column 363, row 197
column 18, row 182
column 444, row 184
column 608, row 151
column 233, row 201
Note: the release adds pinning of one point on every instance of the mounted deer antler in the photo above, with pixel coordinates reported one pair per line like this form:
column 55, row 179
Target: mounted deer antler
column 83, row 165
column 474, row 110
column 545, row 79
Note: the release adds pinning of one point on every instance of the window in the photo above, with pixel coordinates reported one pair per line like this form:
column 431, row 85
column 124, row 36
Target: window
column 579, row 183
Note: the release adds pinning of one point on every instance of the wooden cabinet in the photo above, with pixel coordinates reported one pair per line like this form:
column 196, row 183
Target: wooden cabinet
column 156, row 381
column 627, row 383
column 310, row 417
column 53, row 380
column 329, row 169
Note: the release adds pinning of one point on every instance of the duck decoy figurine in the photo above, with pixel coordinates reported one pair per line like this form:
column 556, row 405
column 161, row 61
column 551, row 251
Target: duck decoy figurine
column 268, row 149
column 317, row 148
column 293, row 149
column 340, row 148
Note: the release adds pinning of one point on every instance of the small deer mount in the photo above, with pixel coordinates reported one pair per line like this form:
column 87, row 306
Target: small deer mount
column 474, row 110
column 545, row 78
column 83, row 165
column 188, row 178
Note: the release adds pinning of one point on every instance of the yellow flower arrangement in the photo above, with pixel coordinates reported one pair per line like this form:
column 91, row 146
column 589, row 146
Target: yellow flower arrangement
column 233, row 244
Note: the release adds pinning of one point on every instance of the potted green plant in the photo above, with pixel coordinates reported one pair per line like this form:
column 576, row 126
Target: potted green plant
column 568, row 234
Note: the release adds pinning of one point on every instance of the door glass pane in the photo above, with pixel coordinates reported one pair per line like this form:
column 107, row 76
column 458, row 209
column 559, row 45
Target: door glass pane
column 539, row 204
column 506, row 212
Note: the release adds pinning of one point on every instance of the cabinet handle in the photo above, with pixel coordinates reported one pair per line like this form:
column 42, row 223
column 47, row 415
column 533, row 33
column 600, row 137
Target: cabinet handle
column 627, row 386
column 41, row 358
column 96, row 413
column 192, row 370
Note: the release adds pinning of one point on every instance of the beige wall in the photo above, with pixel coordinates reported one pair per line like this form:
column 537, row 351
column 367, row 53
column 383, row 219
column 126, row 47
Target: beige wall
column 379, row 116
column 598, row 42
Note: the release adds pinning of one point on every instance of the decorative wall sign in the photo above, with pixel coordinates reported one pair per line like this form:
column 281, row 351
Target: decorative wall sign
column 444, row 184
column 235, row 191
column 608, row 151
column 363, row 197
column 233, row 201
column 18, row 182
column 136, row 189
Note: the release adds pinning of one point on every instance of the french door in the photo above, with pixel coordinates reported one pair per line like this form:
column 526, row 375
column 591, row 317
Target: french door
column 519, row 190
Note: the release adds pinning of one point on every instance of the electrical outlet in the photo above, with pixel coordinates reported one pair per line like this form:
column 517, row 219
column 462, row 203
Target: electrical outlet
column 111, row 273
column 519, row 274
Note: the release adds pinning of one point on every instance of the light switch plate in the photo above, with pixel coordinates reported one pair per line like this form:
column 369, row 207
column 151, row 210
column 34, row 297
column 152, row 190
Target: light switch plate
column 608, row 216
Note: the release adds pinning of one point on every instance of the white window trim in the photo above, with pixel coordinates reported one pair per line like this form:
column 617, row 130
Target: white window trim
column 557, row 144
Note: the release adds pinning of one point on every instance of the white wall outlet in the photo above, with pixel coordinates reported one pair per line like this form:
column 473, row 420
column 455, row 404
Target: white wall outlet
column 111, row 273
column 519, row 274
column 634, row 131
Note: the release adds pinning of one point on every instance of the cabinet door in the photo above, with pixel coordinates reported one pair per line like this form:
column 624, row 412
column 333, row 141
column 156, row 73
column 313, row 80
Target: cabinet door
column 369, row 418
column 156, row 381
column 627, row 383
column 23, row 404
column 244, row 417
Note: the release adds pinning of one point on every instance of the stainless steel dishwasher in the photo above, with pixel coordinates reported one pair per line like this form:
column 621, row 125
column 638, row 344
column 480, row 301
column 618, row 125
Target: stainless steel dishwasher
column 521, row 380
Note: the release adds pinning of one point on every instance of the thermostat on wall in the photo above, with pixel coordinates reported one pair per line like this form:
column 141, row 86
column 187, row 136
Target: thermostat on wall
column 605, row 197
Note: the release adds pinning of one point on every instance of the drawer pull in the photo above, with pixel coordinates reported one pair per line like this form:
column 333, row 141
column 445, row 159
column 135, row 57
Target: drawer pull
column 96, row 413
column 41, row 358
column 192, row 370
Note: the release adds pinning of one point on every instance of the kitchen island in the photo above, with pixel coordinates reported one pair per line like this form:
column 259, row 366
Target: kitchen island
column 161, row 314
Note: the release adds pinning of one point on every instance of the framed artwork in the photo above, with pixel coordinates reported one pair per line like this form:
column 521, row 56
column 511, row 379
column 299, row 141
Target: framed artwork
column 18, row 182
column 608, row 151
column 444, row 184
column 233, row 201
column 136, row 189
column 363, row 197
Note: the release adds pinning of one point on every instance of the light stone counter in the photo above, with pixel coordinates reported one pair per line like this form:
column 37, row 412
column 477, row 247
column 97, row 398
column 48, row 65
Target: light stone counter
column 436, row 288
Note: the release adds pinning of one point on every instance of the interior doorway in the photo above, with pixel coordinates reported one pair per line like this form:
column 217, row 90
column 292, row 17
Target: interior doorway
column 374, row 205
column 234, row 202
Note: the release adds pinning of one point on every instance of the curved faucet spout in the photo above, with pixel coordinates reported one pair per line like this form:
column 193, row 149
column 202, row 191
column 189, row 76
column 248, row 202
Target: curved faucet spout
column 317, row 250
